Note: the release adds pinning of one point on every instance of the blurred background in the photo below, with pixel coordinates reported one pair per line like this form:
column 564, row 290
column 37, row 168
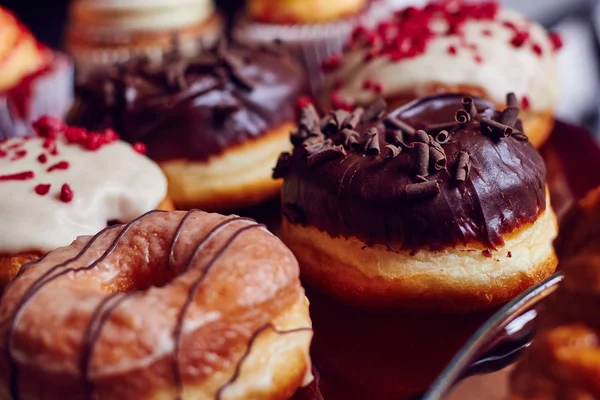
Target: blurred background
column 577, row 20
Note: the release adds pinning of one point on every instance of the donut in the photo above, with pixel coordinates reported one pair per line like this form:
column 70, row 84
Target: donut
column 564, row 359
column 101, row 33
column 173, row 305
column 452, row 47
column 437, row 206
column 67, row 182
column 303, row 11
column 215, row 123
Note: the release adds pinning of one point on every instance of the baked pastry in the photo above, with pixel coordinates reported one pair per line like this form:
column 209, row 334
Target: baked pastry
column 303, row 11
column 440, row 205
column 457, row 47
column 563, row 362
column 215, row 123
column 65, row 183
column 113, row 31
column 170, row 306
column 34, row 80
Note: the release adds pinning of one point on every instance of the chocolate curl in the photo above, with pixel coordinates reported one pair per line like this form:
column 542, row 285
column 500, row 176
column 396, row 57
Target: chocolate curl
column 390, row 152
column 326, row 154
column 309, row 118
column 437, row 155
column 421, row 159
column 422, row 190
column 511, row 100
column 463, row 167
column 397, row 138
column 442, row 137
column 520, row 136
column 495, row 129
column 509, row 116
column 354, row 119
column 350, row 138
column 315, row 143
column 372, row 142
column 283, row 165
column 421, row 137
column 395, row 123
column 462, row 117
column 375, row 111
column 469, row 106
column 327, row 123
column 340, row 117
column 298, row 137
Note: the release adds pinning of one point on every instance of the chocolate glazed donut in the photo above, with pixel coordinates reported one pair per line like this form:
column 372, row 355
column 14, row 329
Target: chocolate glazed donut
column 195, row 251
column 438, row 205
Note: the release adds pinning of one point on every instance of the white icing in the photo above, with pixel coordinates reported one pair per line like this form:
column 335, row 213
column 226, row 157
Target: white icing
column 145, row 15
column 503, row 69
column 112, row 183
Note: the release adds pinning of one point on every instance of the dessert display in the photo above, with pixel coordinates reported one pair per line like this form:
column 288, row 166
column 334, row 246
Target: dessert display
column 67, row 182
column 460, row 47
column 439, row 205
column 113, row 31
column 311, row 30
column 564, row 358
column 34, row 80
column 215, row 123
column 172, row 305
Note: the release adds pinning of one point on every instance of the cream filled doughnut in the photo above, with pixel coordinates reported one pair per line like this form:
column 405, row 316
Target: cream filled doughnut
column 215, row 123
column 68, row 183
column 440, row 205
column 476, row 48
column 173, row 305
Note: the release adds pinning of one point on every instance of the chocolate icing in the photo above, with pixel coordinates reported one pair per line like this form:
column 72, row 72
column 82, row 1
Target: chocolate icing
column 474, row 185
column 192, row 108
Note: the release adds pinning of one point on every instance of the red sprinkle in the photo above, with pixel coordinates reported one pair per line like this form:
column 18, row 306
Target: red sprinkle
column 140, row 147
column 556, row 40
column 75, row 134
column 378, row 87
column 61, row 165
column 537, row 49
column 510, row 25
column 332, row 63
column 49, row 143
column 2, row 153
column 66, row 193
column 452, row 50
column 525, row 103
column 368, row 84
column 304, row 102
column 478, row 59
column 15, row 145
column 21, row 176
column 54, row 151
column 42, row 158
column 519, row 39
column 42, row 189
column 48, row 126
column 487, row 32
column 18, row 155
column 111, row 136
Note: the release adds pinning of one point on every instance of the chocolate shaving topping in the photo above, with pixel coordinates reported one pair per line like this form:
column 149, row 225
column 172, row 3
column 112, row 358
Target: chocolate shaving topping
column 390, row 152
column 315, row 143
column 469, row 106
column 325, row 154
column 395, row 123
column 328, row 123
column 340, row 117
column 298, row 137
column 509, row 116
column 511, row 100
column 495, row 129
column 421, row 159
column 309, row 119
column 355, row 118
column 437, row 155
column 442, row 137
column 422, row 190
column 463, row 166
column 375, row 111
column 421, row 137
column 283, row 165
column 462, row 117
column 350, row 138
column 372, row 142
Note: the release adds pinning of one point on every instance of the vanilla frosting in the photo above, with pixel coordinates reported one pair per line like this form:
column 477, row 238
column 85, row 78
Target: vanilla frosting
column 141, row 15
column 482, row 58
column 111, row 183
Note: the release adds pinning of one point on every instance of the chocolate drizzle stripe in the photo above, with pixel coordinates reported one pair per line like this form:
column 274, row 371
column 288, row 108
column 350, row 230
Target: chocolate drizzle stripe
column 253, row 338
column 39, row 283
column 176, row 238
column 191, row 294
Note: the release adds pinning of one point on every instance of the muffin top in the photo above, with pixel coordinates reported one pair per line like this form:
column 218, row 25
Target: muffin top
column 438, row 172
column 192, row 108
column 456, row 46
column 303, row 11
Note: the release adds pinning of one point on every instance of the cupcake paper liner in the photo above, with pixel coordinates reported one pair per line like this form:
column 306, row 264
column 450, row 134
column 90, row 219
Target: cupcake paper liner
column 46, row 92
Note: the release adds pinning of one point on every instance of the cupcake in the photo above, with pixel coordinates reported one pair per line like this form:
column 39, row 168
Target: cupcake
column 215, row 123
column 438, row 206
column 476, row 48
column 311, row 30
column 34, row 80
column 112, row 31
column 66, row 182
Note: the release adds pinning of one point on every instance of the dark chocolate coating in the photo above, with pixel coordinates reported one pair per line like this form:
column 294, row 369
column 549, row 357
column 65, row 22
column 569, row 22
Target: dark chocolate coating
column 365, row 196
column 192, row 109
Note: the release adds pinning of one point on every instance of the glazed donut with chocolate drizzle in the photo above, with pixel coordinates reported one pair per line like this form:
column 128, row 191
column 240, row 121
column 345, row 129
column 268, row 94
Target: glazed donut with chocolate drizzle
column 440, row 205
column 477, row 48
column 173, row 305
